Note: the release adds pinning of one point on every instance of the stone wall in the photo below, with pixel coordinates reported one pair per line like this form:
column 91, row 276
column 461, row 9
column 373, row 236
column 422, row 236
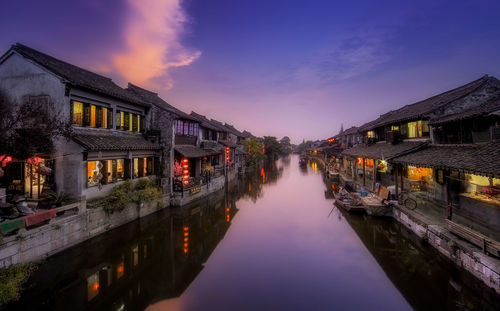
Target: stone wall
column 464, row 255
column 69, row 229
column 180, row 199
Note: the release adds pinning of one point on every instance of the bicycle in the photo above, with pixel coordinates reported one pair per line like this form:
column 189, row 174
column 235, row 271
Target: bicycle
column 404, row 200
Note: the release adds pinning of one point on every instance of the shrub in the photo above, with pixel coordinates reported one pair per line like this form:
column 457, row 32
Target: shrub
column 143, row 183
column 12, row 279
column 125, row 193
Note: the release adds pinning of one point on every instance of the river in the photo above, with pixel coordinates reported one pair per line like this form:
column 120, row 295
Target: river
column 272, row 241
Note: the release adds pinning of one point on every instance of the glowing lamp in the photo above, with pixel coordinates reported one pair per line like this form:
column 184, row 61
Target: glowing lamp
column 95, row 287
column 119, row 269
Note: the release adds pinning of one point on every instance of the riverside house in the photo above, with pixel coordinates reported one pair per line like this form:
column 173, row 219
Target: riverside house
column 444, row 150
column 109, row 143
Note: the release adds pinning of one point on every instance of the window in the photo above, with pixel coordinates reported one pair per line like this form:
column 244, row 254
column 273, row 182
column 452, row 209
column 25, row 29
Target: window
column 394, row 127
column 120, row 169
column 91, row 115
column 136, row 167
column 418, row 129
column 135, row 255
column 186, row 128
column 93, row 171
column 78, row 113
column 370, row 134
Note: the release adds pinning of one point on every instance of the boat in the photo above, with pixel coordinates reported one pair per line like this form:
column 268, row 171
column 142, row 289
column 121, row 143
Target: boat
column 348, row 201
column 302, row 162
column 332, row 174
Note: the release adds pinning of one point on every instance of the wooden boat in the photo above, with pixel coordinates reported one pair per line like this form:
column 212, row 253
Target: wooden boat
column 346, row 201
column 302, row 162
column 332, row 174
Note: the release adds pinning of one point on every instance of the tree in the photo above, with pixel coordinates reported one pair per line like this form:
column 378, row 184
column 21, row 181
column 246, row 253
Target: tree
column 286, row 146
column 30, row 128
column 272, row 147
column 255, row 152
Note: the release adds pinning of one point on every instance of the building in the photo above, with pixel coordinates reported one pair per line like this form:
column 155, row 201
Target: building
column 110, row 125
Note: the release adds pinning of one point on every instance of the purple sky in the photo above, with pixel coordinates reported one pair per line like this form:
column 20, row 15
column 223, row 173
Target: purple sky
column 277, row 68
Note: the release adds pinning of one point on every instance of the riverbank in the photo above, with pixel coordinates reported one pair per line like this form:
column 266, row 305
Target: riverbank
column 463, row 254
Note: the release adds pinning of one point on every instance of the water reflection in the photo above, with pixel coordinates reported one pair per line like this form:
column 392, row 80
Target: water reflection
column 271, row 241
column 150, row 260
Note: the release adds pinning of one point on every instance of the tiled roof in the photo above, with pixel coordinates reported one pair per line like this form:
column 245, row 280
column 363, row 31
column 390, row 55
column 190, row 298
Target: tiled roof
column 77, row 76
column 349, row 131
column 425, row 108
column 233, row 130
column 156, row 100
column 491, row 106
column 204, row 122
column 190, row 151
column 113, row 141
column 246, row 134
column 383, row 150
column 482, row 160
column 219, row 125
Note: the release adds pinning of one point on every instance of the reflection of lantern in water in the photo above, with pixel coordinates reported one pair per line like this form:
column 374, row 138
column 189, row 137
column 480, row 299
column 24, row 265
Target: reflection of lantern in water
column 186, row 240
column 263, row 174
column 228, row 217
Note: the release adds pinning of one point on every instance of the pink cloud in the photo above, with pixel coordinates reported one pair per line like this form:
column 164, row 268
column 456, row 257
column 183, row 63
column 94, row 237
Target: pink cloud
column 153, row 31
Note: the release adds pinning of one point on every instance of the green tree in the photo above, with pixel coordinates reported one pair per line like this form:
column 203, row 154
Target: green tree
column 272, row 147
column 254, row 148
column 286, row 146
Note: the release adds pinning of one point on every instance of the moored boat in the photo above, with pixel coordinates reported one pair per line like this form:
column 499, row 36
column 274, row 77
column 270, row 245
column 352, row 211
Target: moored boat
column 348, row 202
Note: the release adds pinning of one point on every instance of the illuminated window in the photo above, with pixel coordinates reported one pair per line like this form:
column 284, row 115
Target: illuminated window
column 136, row 167
column 418, row 129
column 131, row 122
column 78, row 113
column 368, row 162
column 145, row 167
column 139, row 123
column 370, row 134
column 394, row 127
column 419, row 173
column 105, row 118
column 92, row 286
column 120, row 169
column 92, row 173
column 92, row 115
column 109, row 171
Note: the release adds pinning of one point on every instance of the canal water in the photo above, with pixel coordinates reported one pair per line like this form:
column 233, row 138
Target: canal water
column 272, row 241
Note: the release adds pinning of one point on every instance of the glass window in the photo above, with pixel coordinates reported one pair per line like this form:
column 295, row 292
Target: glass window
column 120, row 169
column 196, row 130
column 131, row 122
column 136, row 167
column 186, row 128
column 93, row 173
column 370, row 134
column 412, row 129
column 92, row 115
column 105, row 118
column 109, row 171
column 191, row 129
column 118, row 120
column 78, row 113
column 394, row 127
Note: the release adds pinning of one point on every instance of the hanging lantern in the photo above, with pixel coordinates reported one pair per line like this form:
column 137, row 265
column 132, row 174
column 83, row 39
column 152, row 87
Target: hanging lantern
column 185, row 171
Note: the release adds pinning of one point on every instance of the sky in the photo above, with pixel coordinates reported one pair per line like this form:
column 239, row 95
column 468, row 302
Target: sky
column 275, row 68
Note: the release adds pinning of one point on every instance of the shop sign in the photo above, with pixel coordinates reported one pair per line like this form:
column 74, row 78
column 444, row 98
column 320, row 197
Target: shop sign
column 195, row 190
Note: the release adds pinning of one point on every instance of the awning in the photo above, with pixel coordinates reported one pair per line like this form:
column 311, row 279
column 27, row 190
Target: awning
column 190, row 151
column 480, row 160
column 211, row 151
column 383, row 150
column 113, row 141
